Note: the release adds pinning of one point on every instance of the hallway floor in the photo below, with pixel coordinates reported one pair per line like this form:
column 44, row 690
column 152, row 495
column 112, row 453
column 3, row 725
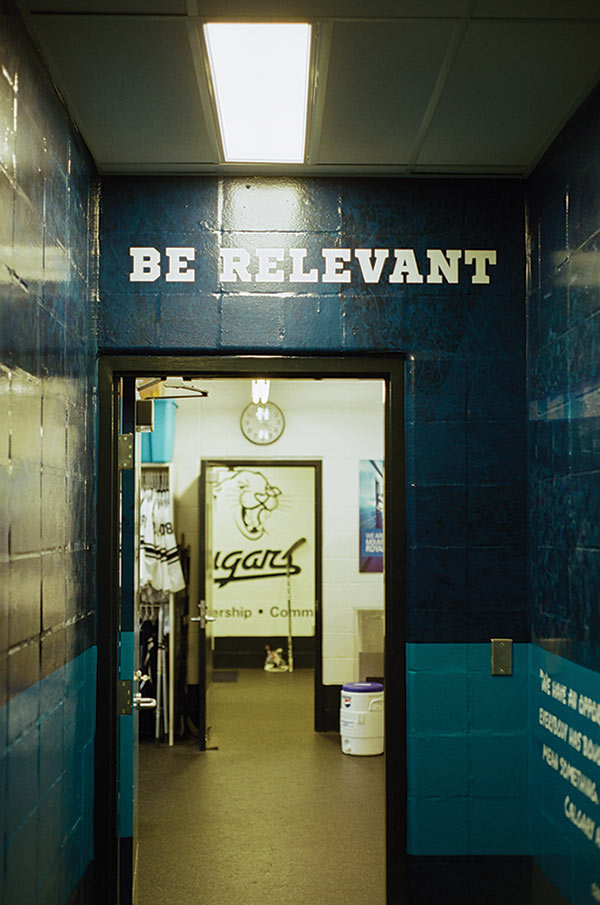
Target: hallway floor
column 276, row 814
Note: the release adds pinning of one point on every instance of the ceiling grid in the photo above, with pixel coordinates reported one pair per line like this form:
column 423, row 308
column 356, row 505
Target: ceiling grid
column 414, row 87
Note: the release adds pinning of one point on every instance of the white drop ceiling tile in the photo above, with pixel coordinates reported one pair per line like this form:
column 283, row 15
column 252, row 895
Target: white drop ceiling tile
column 130, row 85
column 537, row 9
column 378, row 87
column 325, row 9
column 511, row 89
column 570, row 9
column 106, row 7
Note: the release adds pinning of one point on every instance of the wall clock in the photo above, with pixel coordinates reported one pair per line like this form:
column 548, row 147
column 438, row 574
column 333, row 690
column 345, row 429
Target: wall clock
column 262, row 423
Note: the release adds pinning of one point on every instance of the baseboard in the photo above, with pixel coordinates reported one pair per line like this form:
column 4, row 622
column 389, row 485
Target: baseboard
column 85, row 891
column 330, row 708
column 249, row 652
column 125, row 870
column 543, row 891
column 464, row 879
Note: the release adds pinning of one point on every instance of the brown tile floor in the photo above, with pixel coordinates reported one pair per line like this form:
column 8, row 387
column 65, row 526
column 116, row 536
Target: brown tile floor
column 276, row 814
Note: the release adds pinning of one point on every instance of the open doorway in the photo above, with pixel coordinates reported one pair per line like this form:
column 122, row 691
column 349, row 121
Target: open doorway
column 259, row 575
column 331, row 655
column 280, row 637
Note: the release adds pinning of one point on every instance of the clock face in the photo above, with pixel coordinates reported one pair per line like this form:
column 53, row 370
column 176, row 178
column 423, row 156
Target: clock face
column 262, row 423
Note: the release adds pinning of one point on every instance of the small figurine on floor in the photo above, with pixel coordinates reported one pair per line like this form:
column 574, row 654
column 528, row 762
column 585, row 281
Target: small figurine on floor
column 274, row 661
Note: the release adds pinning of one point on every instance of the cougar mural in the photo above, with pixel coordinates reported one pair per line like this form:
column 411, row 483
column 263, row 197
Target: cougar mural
column 251, row 500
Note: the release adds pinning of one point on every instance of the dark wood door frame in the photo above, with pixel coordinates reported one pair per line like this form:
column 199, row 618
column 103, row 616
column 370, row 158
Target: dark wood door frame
column 386, row 367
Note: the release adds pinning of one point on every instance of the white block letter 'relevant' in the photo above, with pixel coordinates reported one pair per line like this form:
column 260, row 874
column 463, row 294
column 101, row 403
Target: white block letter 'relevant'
column 298, row 274
column 334, row 265
column 480, row 258
column 235, row 263
column 443, row 266
column 268, row 258
column 371, row 272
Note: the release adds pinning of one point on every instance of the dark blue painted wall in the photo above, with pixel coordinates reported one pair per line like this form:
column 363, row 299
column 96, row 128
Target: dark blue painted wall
column 466, row 342
column 564, row 390
column 47, row 485
column 466, row 407
column 563, row 361
column 466, row 427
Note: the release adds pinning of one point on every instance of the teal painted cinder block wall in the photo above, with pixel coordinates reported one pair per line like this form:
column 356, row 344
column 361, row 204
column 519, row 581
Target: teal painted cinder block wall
column 47, row 482
column 127, row 741
column 467, row 751
column 565, row 774
column 506, row 765
column 47, row 776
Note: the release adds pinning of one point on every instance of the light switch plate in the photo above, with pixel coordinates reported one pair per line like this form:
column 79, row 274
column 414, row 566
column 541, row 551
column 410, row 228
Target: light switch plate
column 502, row 656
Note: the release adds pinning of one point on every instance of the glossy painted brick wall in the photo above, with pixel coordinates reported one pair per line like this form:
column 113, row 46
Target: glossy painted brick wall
column 467, row 751
column 465, row 404
column 47, row 468
column 564, row 390
column 562, row 844
column 465, row 414
column 563, row 361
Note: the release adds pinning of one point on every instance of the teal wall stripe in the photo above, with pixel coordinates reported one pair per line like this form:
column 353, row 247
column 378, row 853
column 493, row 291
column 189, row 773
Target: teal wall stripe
column 467, row 751
column 483, row 774
column 126, row 774
column 47, row 774
column 126, row 740
column 506, row 765
column 126, row 654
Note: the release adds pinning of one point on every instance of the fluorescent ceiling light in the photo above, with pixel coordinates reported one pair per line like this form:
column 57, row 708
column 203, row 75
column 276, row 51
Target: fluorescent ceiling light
column 260, row 79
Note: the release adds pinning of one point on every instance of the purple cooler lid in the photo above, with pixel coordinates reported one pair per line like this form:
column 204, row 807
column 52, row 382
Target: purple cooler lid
column 363, row 686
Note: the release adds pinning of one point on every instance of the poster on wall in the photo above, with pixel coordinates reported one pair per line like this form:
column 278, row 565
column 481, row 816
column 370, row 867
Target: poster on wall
column 261, row 512
column 566, row 783
column 370, row 478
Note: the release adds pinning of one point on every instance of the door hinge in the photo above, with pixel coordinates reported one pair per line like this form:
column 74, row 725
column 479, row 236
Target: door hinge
column 124, row 697
column 125, row 451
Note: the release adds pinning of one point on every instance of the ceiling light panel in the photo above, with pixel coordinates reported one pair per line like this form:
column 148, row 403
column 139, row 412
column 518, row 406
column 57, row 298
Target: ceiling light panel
column 260, row 76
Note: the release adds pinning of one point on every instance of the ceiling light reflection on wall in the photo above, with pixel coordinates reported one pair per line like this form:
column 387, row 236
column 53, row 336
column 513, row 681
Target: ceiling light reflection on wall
column 260, row 76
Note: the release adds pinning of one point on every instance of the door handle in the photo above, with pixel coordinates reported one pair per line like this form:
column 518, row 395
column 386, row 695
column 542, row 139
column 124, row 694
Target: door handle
column 143, row 703
column 202, row 618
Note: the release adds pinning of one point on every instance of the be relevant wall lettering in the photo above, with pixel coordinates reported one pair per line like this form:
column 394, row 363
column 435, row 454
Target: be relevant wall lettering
column 275, row 265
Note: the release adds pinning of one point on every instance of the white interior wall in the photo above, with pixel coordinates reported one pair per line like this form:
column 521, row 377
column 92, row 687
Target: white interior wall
column 337, row 421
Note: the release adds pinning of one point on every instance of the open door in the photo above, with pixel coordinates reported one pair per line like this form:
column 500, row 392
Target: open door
column 130, row 697
column 127, row 723
column 205, row 617
column 127, row 731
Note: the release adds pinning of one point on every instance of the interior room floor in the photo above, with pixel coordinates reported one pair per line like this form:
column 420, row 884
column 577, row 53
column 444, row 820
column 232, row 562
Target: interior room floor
column 275, row 814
